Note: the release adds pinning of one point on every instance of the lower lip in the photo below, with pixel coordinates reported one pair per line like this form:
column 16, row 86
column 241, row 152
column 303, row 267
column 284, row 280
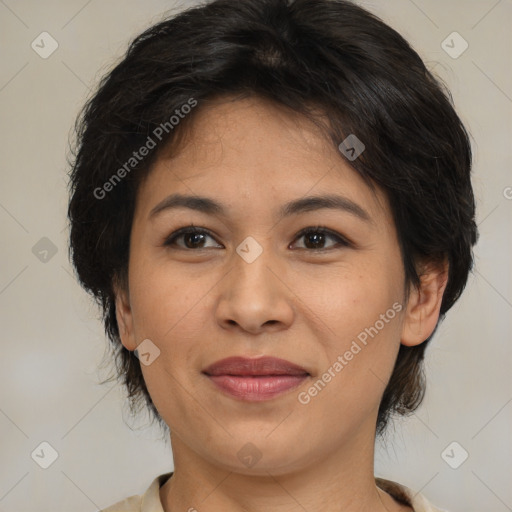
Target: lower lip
column 256, row 388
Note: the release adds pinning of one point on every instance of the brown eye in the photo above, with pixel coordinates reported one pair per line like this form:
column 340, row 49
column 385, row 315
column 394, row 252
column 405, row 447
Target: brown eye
column 193, row 238
column 315, row 238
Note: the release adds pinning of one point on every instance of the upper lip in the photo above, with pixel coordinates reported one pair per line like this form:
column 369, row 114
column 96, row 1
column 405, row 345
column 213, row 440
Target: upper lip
column 264, row 365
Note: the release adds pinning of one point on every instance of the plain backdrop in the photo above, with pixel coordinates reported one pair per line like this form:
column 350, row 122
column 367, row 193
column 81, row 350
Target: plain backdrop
column 52, row 339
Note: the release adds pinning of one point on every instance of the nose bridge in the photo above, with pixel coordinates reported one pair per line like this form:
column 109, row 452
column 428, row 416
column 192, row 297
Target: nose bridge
column 253, row 295
column 250, row 263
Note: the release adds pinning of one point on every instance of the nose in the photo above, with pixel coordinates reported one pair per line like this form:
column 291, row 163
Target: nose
column 254, row 297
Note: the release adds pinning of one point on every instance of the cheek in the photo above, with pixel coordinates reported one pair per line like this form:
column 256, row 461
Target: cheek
column 349, row 299
column 359, row 312
column 160, row 296
column 360, row 333
column 166, row 305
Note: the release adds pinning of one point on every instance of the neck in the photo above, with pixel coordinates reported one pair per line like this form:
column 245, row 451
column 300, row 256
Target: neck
column 341, row 480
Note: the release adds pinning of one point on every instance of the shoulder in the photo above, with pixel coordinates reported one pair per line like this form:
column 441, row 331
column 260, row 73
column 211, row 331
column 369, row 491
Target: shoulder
column 406, row 496
column 149, row 501
column 131, row 504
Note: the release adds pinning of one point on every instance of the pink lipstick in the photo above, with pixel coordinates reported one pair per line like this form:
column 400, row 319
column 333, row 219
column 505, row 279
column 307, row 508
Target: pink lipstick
column 255, row 379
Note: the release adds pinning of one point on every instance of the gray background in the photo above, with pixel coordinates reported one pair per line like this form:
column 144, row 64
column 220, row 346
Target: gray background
column 52, row 341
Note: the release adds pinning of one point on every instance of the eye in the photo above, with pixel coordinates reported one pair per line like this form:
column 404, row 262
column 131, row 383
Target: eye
column 193, row 238
column 315, row 238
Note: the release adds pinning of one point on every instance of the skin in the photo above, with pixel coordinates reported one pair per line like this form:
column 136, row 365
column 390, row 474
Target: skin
column 201, row 305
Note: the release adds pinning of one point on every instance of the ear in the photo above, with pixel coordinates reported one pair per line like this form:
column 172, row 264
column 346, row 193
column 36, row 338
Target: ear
column 424, row 305
column 124, row 315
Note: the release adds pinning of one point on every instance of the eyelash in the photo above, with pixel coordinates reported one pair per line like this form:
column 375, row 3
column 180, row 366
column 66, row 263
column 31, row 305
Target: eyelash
column 341, row 241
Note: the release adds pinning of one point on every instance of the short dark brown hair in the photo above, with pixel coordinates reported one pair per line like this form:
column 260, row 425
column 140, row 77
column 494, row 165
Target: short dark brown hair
column 328, row 56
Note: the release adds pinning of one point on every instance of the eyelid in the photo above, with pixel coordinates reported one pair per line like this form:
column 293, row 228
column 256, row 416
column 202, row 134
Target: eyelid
column 341, row 240
column 185, row 230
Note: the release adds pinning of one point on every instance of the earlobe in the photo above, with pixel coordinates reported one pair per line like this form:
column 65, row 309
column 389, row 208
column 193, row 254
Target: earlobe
column 124, row 317
column 424, row 305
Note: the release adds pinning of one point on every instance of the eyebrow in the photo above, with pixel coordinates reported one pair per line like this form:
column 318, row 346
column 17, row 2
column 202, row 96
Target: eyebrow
column 302, row 205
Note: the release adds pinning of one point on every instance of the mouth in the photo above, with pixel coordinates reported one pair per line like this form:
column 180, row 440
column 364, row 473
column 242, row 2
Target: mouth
column 255, row 379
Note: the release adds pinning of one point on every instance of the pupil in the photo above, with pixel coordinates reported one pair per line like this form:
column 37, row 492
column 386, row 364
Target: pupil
column 317, row 239
column 191, row 236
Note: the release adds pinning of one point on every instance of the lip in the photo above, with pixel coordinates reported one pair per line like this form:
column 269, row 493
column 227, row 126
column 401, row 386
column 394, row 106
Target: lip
column 257, row 379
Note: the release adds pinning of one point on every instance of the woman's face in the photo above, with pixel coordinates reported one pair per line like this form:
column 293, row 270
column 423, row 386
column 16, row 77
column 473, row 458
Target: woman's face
column 254, row 286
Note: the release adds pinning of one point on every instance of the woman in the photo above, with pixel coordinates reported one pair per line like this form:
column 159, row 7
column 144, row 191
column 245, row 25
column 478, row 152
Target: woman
column 271, row 201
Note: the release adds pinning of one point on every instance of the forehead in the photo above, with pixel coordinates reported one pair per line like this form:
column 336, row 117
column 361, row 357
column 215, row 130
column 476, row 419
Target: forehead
column 253, row 150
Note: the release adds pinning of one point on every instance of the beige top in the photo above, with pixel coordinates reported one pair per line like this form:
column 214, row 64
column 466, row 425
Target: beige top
column 150, row 500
